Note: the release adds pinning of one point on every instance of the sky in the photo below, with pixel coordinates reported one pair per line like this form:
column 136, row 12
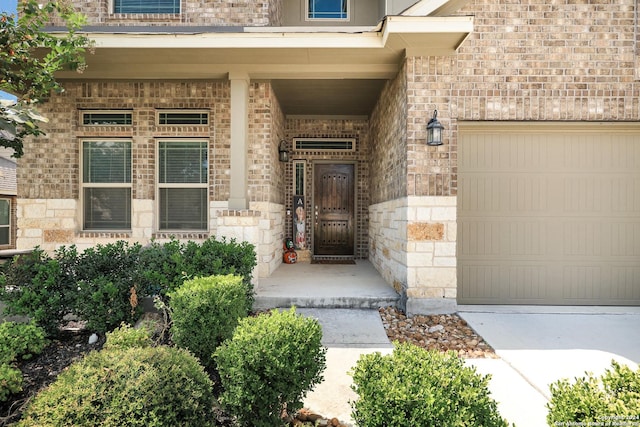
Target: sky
column 7, row 6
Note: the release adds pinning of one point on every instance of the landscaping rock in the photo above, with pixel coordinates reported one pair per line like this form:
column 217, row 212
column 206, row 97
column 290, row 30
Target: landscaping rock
column 437, row 332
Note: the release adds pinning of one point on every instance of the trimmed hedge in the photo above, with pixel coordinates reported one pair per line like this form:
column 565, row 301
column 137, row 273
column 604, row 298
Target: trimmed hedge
column 612, row 398
column 416, row 387
column 204, row 313
column 146, row 387
column 269, row 365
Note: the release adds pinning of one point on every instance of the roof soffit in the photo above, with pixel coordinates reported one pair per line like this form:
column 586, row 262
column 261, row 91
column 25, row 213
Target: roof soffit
column 273, row 53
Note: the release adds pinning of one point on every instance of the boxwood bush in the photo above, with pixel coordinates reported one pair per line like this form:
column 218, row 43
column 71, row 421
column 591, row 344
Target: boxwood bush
column 18, row 341
column 612, row 398
column 152, row 386
column 205, row 311
column 269, row 365
column 10, row 381
column 416, row 387
column 125, row 337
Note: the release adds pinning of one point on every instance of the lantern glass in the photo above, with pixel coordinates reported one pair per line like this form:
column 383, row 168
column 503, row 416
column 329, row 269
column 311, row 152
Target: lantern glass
column 282, row 151
column 434, row 130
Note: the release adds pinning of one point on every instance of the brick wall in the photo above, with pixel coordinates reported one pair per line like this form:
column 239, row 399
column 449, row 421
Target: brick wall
column 266, row 129
column 388, row 158
column 217, row 13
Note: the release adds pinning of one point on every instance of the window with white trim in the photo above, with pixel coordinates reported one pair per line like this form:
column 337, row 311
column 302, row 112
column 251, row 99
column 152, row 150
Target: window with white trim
column 183, row 189
column 332, row 10
column 146, row 6
column 5, row 222
column 106, row 184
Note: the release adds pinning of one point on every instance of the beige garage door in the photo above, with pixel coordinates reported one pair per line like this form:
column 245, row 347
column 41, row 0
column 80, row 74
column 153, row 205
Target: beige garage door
column 549, row 214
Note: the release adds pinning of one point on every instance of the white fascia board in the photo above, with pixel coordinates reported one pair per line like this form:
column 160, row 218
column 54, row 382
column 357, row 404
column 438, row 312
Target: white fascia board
column 238, row 40
column 426, row 25
column 434, row 7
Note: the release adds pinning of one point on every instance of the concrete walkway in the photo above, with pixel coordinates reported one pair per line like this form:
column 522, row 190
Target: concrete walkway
column 347, row 334
column 540, row 345
column 536, row 348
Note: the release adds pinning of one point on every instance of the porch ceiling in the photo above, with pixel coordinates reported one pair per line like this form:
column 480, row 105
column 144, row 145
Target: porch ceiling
column 337, row 70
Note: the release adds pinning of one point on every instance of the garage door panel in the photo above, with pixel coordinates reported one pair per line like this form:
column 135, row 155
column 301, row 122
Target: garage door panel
column 549, row 218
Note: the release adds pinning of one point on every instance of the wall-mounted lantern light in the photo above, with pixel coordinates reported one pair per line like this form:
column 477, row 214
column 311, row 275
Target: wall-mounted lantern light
column 283, row 154
column 434, row 130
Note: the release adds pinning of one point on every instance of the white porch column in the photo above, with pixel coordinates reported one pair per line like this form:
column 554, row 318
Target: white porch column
column 239, row 140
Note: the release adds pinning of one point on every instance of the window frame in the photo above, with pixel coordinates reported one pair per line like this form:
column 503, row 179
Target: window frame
column 160, row 185
column 113, row 9
column 307, row 13
column 84, row 112
column 9, row 221
column 328, row 141
column 83, row 186
column 207, row 112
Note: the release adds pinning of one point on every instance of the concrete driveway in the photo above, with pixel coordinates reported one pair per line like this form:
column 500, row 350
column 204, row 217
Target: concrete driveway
column 540, row 345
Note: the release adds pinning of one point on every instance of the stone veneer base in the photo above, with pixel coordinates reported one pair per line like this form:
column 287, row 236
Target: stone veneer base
column 428, row 306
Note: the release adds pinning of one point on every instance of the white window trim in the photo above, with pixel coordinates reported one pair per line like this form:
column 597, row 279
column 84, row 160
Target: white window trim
column 326, row 150
column 306, row 14
column 160, row 185
column 207, row 112
column 8, row 226
column 84, row 185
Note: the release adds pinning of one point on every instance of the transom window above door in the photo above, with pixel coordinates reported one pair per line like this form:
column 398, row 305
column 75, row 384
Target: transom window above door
column 336, row 10
column 146, row 6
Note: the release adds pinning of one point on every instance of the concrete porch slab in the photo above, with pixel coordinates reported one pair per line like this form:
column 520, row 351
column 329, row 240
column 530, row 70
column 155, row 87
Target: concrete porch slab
column 325, row 286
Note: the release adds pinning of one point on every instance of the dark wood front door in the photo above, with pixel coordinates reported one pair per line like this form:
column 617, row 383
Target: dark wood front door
column 333, row 209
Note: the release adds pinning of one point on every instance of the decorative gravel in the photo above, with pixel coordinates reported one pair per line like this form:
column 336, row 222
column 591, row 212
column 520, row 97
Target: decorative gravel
column 442, row 332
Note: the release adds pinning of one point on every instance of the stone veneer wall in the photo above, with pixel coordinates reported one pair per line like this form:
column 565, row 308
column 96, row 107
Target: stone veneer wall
column 332, row 128
column 215, row 13
column 49, row 208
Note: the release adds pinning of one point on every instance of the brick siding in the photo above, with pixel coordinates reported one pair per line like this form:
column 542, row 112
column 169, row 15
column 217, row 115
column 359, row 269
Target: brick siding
column 216, row 13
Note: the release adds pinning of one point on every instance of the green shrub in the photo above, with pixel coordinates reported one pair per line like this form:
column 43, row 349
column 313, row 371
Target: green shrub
column 269, row 365
column 160, row 268
column 125, row 337
column 105, row 303
column 155, row 386
column 614, row 397
column 102, row 284
column 10, row 381
column 416, row 387
column 163, row 267
column 219, row 257
column 205, row 311
column 106, row 289
column 20, row 341
column 33, row 285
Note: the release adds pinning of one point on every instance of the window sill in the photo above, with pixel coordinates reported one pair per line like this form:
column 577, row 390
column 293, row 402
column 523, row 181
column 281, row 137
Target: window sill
column 181, row 235
column 104, row 234
column 171, row 17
